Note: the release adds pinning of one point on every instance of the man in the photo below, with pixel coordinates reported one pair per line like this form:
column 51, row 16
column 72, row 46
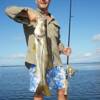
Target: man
column 56, row 77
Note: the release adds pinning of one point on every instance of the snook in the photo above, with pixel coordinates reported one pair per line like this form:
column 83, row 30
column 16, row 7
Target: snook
column 41, row 56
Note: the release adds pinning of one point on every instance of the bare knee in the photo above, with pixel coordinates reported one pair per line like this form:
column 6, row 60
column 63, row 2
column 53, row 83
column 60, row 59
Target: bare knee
column 38, row 97
column 61, row 92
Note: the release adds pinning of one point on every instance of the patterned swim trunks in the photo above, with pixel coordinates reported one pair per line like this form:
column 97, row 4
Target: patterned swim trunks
column 56, row 79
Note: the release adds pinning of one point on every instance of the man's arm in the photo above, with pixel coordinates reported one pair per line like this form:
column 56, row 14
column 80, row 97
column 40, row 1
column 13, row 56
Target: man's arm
column 20, row 14
column 62, row 49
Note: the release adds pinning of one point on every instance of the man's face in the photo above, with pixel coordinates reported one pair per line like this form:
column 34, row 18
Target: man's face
column 43, row 4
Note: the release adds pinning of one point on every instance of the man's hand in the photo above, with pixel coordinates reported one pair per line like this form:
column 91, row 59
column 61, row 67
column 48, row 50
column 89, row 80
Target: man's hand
column 32, row 16
column 67, row 51
column 27, row 14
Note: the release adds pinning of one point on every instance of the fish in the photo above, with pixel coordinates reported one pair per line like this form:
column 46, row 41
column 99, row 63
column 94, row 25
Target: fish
column 41, row 56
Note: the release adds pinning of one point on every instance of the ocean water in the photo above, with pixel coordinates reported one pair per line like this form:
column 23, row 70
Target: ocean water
column 14, row 83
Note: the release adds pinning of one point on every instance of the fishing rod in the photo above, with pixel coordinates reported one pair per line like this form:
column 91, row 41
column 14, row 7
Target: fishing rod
column 69, row 28
column 70, row 70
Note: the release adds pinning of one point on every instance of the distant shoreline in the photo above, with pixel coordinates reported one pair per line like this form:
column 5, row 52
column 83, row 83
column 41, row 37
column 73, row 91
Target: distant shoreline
column 12, row 66
column 83, row 63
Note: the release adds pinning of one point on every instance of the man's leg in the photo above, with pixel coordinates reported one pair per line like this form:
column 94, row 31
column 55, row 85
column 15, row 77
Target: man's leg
column 39, row 97
column 61, row 94
column 56, row 77
column 66, row 89
column 33, row 81
column 66, row 97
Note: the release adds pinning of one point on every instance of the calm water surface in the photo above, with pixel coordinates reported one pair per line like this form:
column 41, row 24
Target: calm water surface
column 14, row 82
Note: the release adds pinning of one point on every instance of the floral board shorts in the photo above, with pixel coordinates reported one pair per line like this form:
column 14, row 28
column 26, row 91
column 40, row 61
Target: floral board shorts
column 56, row 79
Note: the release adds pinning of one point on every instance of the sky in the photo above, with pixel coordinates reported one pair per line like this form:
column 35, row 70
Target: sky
column 85, row 30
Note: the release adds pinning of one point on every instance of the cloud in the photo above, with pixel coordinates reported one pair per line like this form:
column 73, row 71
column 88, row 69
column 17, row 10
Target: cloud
column 98, row 50
column 14, row 59
column 96, row 38
column 14, row 56
column 17, row 56
column 83, row 57
column 88, row 54
column 87, row 57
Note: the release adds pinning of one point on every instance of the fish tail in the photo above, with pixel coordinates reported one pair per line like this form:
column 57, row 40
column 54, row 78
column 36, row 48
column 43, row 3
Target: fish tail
column 44, row 89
